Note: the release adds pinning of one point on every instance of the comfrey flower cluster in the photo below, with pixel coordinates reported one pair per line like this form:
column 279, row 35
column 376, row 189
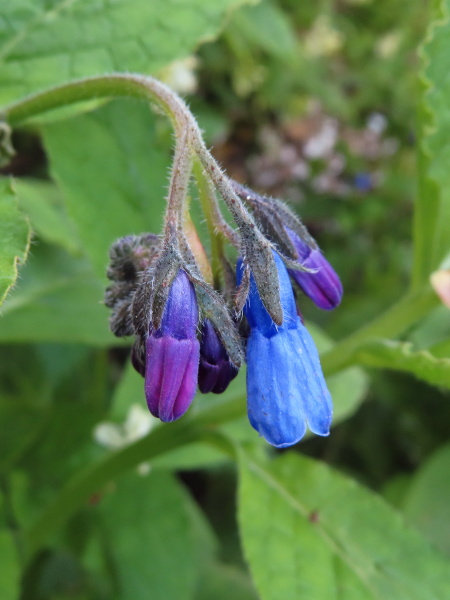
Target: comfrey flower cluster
column 196, row 318
column 186, row 338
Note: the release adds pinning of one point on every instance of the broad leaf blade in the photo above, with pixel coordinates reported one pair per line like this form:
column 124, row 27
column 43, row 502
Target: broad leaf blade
column 310, row 532
column 49, row 219
column 44, row 43
column 112, row 170
column 14, row 238
column 156, row 536
column 58, row 299
column 427, row 500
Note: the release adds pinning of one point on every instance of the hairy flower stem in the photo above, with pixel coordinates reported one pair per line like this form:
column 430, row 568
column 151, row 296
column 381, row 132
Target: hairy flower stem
column 145, row 88
column 179, row 182
column 217, row 226
column 212, row 213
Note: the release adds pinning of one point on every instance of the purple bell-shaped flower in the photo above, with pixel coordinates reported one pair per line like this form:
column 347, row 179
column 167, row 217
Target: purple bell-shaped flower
column 215, row 370
column 172, row 354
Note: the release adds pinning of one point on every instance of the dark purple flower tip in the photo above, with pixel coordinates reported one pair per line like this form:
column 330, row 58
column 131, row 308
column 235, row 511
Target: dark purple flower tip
column 215, row 369
column 323, row 287
column 170, row 376
column 172, row 354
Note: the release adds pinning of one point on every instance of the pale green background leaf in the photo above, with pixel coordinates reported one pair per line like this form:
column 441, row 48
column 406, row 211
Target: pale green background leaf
column 14, row 237
column 58, row 299
column 43, row 43
column 311, row 533
column 156, row 537
column 427, row 502
column 113, row 170
column 43, row 204
column 388, row 354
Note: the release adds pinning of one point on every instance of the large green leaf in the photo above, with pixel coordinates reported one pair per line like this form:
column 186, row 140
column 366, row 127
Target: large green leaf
column 112, row 169
column 156, row 537
column 388, row 354
column 427, row 500
column 42, row 202
column 432, row 217
column 312, row 533
column 15, row 238
column 44, row 42
column 58, row 299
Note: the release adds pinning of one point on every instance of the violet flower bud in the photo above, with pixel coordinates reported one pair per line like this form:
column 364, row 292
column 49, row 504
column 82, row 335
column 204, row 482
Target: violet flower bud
column 323, row 287
column 172, row 354
column 215, row 370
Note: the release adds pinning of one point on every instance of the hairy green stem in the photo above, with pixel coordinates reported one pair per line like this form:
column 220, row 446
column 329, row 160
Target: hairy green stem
column 104, row 86
column 217, row 226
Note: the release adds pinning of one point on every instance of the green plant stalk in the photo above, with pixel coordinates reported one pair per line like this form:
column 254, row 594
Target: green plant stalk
column 105, row 86
column 211, row 212
column 393, row 322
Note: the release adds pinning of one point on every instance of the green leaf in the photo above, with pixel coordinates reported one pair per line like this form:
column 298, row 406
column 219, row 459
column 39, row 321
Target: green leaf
column 427, row 501
column 388, row 354
column 43, row 42
column 156, row 536
column 10, row 578
column 58, row 299
column 15, row 238
column 432, row 211
column 43, row 204
column 112, row 169
column 311, row 533
column 267, row 27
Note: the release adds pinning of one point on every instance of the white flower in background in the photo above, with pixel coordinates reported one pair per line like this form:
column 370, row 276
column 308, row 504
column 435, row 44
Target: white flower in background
column 323, row 39
column 180, row 75
column 376, row 123
column 137, row 425
column 389, row 44
column 322, row 143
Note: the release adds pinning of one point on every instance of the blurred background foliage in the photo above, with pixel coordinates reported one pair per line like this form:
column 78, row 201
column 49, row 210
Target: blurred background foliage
column 315, row 103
